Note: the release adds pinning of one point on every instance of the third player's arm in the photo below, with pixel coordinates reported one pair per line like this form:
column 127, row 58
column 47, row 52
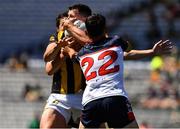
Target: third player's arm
column 137, row 54
column 161, row 47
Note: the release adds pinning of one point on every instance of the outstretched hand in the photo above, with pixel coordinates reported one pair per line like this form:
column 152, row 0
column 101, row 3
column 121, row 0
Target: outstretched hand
column 162, row 47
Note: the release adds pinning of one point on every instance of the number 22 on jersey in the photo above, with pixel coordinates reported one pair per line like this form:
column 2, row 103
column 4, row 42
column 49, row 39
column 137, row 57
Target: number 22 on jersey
column 92, row 71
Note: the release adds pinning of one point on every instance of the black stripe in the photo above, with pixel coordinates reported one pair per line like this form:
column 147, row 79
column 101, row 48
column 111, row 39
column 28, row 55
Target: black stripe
column 70, row 76
column 83, row 81
column 56, row 84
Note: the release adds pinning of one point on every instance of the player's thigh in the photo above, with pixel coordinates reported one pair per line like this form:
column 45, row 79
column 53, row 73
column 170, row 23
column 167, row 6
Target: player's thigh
column 92, row 115
column 59, row 103
column 52, row 119
column 119, row 111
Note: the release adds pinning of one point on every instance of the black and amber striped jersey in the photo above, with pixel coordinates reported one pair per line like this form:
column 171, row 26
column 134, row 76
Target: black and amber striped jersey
column 69, row 78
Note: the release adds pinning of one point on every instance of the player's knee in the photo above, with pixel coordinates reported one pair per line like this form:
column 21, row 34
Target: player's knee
column 52, row 119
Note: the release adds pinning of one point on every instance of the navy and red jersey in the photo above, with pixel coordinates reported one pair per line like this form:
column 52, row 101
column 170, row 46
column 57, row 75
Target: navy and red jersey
column 102, row 65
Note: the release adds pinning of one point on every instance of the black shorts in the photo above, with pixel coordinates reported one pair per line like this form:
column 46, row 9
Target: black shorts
column 115, row 110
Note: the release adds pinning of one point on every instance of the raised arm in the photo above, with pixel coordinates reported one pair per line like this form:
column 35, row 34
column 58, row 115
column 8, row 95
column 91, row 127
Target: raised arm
column 53, row 49
column 160, row 48
column 79, row 34
column 52, row 66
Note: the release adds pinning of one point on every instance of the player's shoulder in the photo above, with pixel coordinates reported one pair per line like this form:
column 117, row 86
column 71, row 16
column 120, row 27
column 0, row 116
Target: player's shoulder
column 96, row 46
column 119, row 41
column 53, row 38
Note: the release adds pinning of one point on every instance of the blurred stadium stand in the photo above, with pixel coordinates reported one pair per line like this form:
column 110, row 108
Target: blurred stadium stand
column 25, row 26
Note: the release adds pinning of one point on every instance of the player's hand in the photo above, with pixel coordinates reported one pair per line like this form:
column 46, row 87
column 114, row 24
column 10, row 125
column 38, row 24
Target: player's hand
column 61, row 55
column 67, row 21
column 69, row 51
column 66, row 41
column 162, row 47
column 70, row 41
column 62, row 43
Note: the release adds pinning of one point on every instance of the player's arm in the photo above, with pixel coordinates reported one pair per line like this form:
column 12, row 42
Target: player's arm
column 70, row 52
column 52, row 66
column 137, row 54
column 51, row 52
column 53, row 49
column 80, row 35
column 161, row 47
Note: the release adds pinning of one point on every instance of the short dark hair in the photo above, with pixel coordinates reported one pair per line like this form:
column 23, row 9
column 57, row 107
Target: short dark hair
column 95, row 25
column 83, row 9
column 58, row 18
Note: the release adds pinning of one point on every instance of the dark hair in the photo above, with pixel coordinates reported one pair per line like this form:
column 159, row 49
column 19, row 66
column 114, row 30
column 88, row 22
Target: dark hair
column 84, row 10
column 95, row 25
column 58, row 18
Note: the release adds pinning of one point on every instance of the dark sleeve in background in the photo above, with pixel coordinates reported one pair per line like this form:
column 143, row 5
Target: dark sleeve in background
column 124, row 44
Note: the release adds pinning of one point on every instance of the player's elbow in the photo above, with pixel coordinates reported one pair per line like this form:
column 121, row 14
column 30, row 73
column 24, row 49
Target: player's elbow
column 46, row 58
column 129, row 56
column 48, row 53
column 49, row 72
column 85, row 41
column 89, row 41
column 125, row 56
column 48, row 69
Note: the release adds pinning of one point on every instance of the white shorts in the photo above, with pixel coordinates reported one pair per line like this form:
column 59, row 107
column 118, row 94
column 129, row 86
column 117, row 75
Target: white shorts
column 66, row 104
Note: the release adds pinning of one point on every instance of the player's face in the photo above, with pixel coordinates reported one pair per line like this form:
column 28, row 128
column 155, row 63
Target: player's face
column 60, row 24
column 74, row 14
